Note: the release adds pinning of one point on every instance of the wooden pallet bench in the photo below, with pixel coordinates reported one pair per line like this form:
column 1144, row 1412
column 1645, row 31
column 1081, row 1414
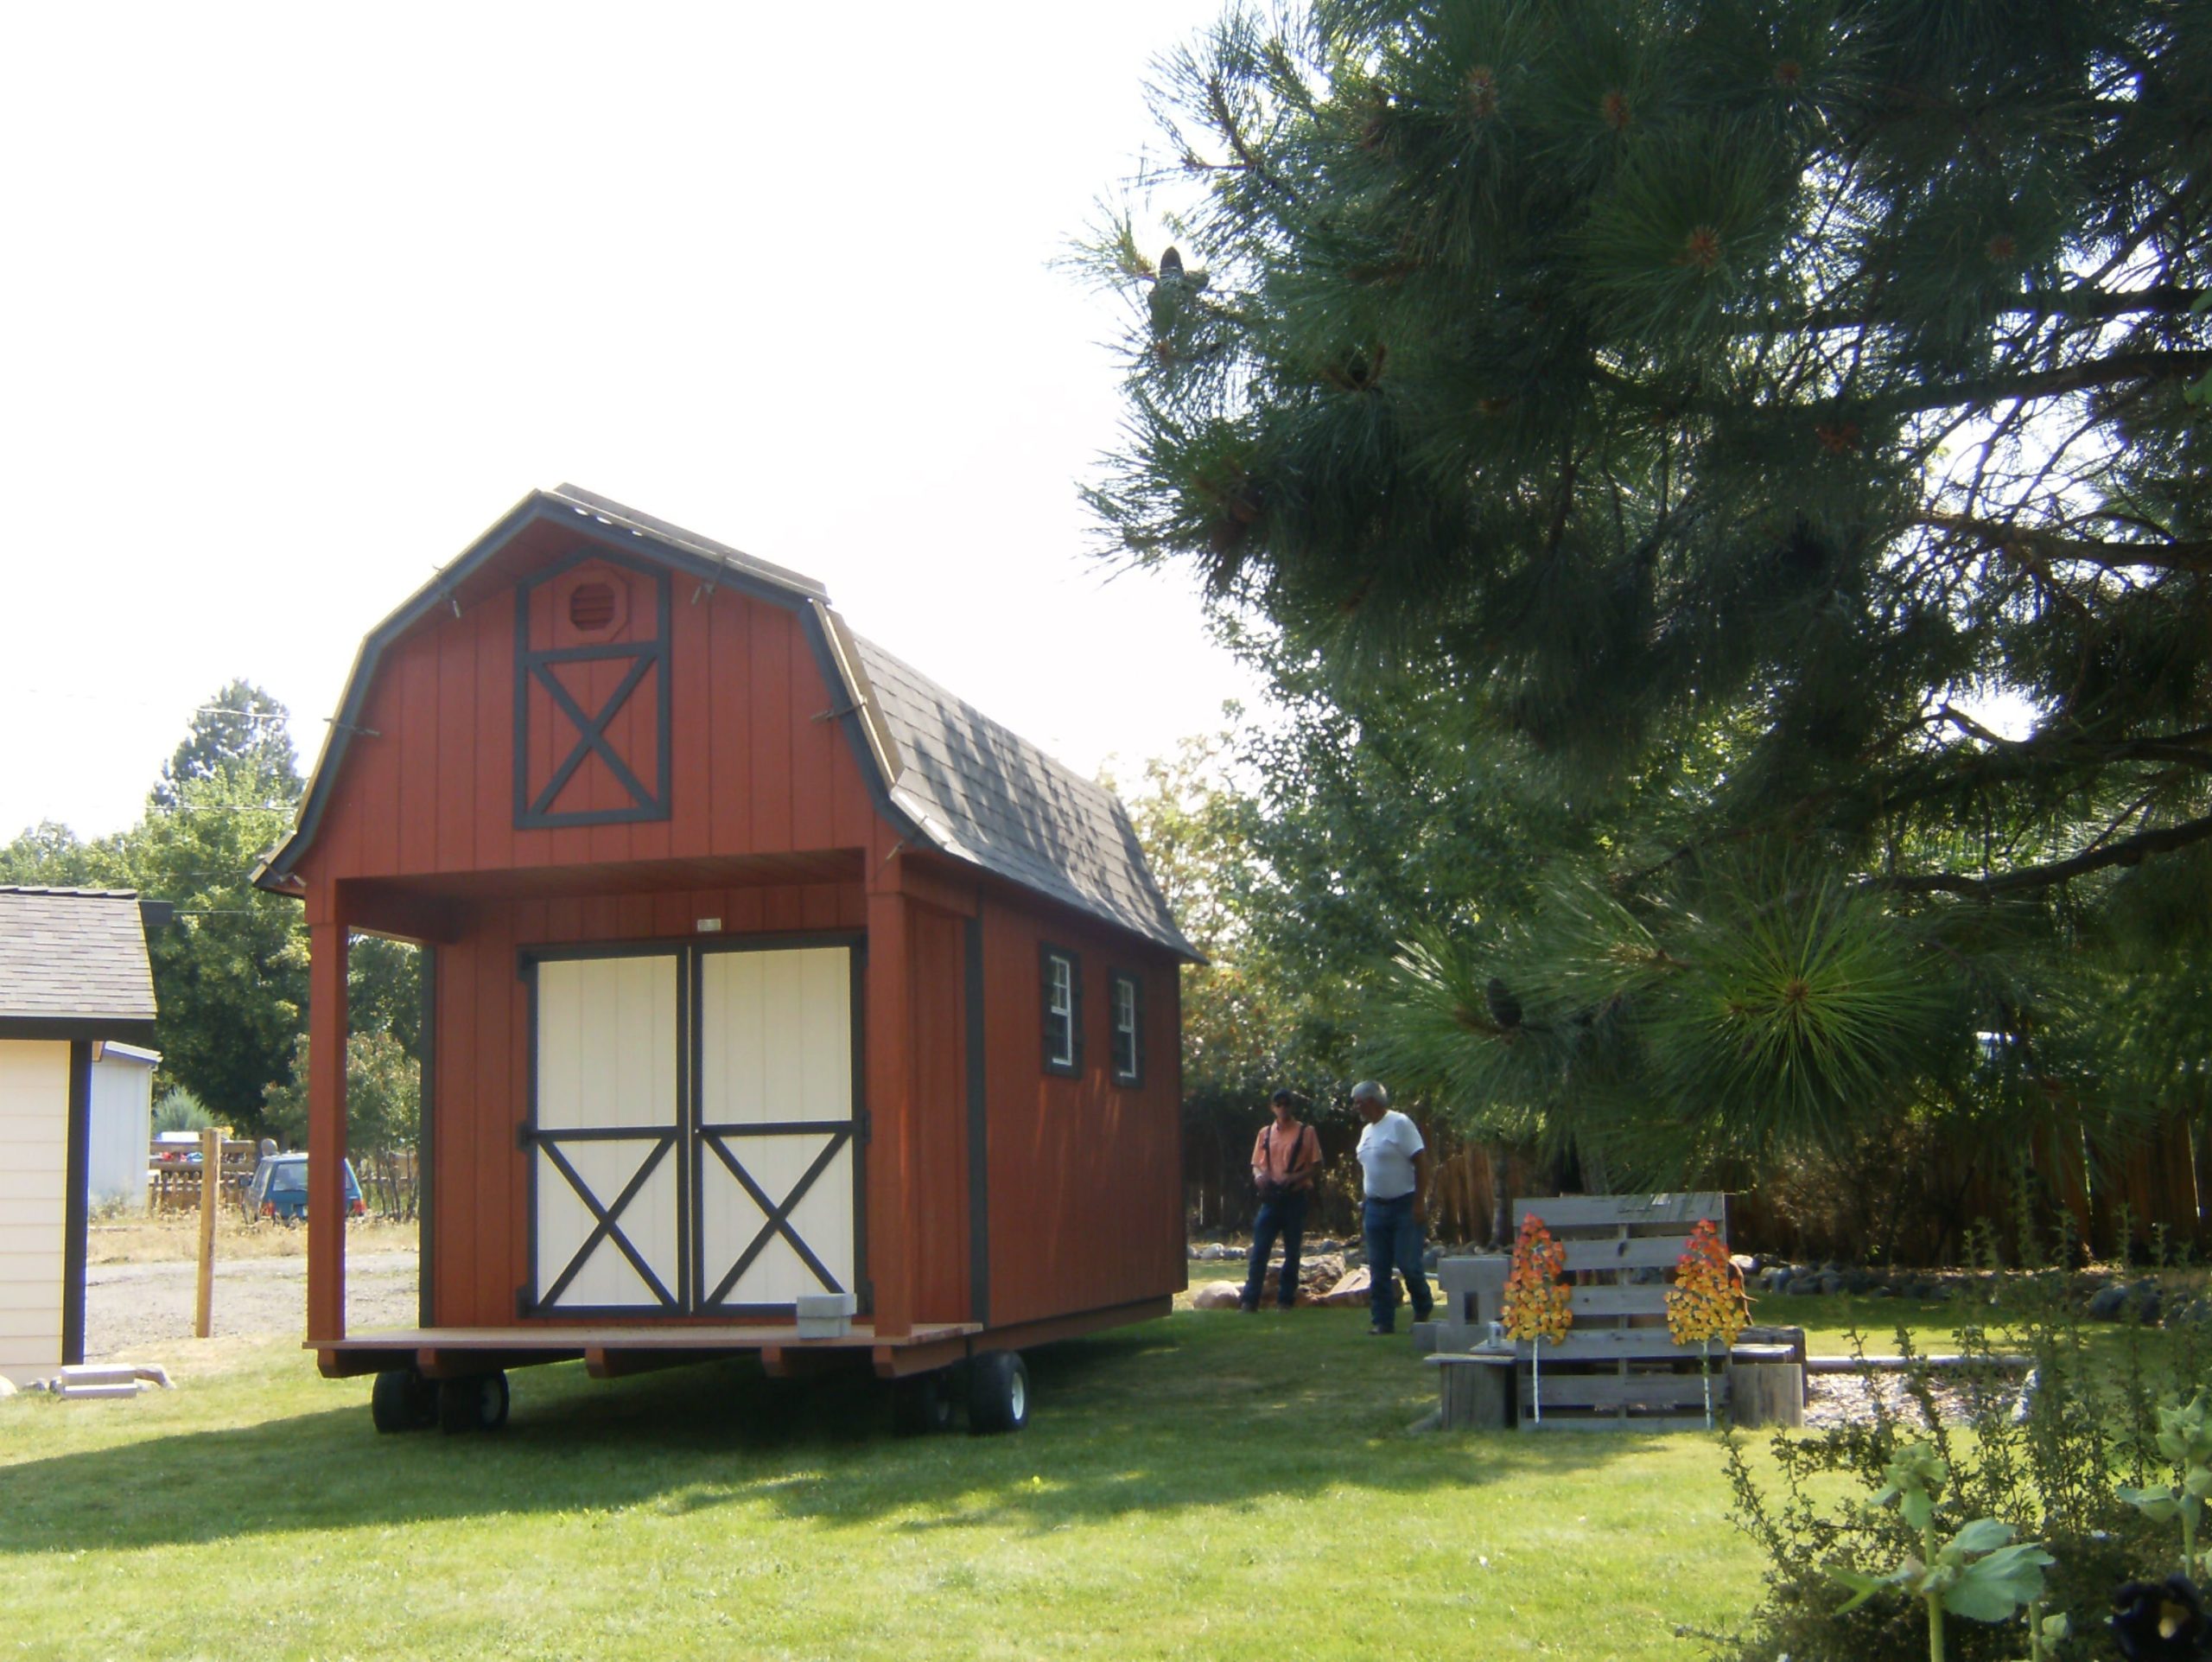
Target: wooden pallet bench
column 1617, row 1369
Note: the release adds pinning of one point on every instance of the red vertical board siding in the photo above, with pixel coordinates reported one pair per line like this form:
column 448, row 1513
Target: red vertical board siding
column 454, row 718
column 813, row 811
column 650, row 839
column 773, row 716
column 1085, row 1197
column 938, row 1159
column 451, row 1152
column 730, row 726
column 418, row 673
column 372, row 762
column 492, row 1140
column 691, row 775
column 429, row 785
column 493, row 622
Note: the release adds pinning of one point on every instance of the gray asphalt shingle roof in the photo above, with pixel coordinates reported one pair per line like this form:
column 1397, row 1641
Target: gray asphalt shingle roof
column 74, row 954
column 985, row 794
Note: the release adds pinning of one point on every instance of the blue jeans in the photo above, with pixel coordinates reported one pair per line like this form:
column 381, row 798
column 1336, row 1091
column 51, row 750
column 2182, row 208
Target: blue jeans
column 1393, row 1240
column 1284, row 1215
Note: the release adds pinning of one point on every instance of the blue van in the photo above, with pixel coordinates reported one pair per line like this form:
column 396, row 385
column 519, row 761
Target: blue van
column 279, row 1189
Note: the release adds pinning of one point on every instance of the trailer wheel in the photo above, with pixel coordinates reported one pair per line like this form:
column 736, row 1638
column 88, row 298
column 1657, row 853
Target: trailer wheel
column 998, row 1392
column 402, row 1400
column 921, row 1405
column 478, row 1402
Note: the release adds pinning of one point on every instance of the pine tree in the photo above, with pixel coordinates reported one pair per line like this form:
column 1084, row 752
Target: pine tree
column 1723, row 409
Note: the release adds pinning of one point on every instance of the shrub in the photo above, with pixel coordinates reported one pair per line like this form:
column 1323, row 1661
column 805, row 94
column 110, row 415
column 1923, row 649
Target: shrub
column 2048, row 1457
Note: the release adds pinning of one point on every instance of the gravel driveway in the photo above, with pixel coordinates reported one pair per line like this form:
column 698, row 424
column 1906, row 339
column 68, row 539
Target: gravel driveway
column 129, row 1306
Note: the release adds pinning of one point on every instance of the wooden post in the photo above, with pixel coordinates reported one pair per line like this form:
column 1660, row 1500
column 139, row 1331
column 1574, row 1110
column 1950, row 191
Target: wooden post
column 889, row 1090
column 211, row 1191
column 326, row 950
column 1769, row 1390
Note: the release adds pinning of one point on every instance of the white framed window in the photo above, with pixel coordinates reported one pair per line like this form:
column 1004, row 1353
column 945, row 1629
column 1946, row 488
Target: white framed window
column 1063, row 1002
column 1128, row 1028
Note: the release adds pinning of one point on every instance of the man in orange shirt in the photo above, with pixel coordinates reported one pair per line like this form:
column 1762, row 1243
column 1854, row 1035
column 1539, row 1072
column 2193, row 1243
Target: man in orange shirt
column 1285, row 1159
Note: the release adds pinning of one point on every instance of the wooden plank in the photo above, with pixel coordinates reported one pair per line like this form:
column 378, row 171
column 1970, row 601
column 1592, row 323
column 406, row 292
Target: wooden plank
column 1643, row 1252
column 1613, row 1345
column 1614, row 1422
column 1655, row 1390
column 1629, row 1300
column 1589, row 1210
column 658, row 1335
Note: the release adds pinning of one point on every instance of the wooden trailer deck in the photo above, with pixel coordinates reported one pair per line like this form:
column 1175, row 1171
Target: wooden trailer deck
column 609, row 1350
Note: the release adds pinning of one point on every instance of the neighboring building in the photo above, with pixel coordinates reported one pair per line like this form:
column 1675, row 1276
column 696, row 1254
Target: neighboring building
column 123, row 1122
column 761, row 970
column 73, row 976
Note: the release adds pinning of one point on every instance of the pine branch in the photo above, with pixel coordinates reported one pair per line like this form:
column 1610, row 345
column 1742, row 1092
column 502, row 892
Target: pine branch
column 2120, row 367
column 2129, row 850
column 2111, row 557
column 2081, row 302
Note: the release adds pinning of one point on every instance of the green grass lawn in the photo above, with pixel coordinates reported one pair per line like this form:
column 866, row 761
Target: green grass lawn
column 1206, row 1486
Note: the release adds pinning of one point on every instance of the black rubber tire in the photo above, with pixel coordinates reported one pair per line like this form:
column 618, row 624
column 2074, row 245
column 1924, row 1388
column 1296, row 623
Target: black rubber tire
column 396, row 1402
column 921, row 1405
column 478, row 1402
column 998, row 1392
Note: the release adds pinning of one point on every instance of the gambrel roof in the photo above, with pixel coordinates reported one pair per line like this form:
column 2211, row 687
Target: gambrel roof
column 947, row 775
column 72, row 964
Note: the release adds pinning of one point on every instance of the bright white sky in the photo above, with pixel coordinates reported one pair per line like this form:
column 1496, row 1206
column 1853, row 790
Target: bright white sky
column 298, row 301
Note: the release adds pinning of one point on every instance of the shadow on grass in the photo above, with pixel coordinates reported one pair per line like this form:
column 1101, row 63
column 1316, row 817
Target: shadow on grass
column 1192, row 1412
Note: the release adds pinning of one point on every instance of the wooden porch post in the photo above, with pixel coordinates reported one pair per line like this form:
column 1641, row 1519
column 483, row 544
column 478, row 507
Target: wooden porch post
column 888, row 1012
column 327, row 946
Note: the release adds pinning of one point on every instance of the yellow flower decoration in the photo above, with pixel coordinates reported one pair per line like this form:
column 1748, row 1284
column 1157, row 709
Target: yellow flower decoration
column 1537, row 1302
column 1706, row 1302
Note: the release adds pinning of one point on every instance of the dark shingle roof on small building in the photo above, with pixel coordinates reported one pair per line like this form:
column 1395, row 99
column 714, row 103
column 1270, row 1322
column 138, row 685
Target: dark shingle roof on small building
column 72, row 963
column 982, row 794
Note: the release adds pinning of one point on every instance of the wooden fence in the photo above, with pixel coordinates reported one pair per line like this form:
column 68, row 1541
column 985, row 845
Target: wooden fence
column 1910, row 1204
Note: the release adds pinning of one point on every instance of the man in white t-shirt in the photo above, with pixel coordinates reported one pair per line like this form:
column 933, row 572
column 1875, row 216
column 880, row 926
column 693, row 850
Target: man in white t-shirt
column 1394, row 1167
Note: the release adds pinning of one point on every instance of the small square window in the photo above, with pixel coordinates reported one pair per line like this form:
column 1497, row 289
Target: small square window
column 1128, row 1028
column 1063, row 1002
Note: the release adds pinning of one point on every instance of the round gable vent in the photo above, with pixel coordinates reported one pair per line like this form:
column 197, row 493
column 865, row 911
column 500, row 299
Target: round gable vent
column 591, row 607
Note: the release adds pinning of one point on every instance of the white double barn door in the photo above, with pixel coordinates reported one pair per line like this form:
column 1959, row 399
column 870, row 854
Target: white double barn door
column 692, row 1130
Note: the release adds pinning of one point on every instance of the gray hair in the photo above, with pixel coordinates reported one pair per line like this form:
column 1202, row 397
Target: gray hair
column 1370, row 1091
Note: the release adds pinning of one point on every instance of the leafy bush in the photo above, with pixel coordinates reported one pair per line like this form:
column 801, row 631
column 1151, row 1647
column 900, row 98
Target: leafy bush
column 2048, row 1457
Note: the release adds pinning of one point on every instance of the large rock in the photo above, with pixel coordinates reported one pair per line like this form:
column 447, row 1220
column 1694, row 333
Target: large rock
column 2106, row 1302
column 1352, row 1287
column 1317, row 1274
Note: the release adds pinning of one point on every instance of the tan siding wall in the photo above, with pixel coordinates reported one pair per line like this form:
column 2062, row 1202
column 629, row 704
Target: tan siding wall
column 34, row 1153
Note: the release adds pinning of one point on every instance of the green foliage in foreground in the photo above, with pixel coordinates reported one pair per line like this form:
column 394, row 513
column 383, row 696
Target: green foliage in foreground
column 1202, row 1486
column 2019, row 1515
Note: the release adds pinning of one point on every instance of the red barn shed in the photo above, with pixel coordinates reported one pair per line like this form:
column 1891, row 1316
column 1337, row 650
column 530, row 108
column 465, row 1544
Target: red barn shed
column 770, row 989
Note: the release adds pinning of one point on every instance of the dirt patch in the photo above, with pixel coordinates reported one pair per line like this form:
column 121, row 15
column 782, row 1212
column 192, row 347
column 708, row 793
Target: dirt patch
column 133, row 1238
column 137, row 1308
